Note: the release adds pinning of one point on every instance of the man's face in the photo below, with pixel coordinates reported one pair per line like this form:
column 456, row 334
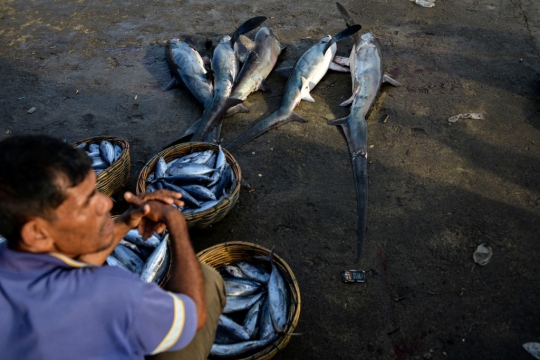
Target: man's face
column 82, row 223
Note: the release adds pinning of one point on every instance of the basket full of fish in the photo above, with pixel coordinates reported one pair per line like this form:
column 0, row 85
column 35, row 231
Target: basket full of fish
column 110, row 161
column 206, row 175
column 263, row 301
column 150, row 259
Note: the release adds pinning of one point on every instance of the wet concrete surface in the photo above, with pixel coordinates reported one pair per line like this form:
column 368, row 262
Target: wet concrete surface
column 436, row 191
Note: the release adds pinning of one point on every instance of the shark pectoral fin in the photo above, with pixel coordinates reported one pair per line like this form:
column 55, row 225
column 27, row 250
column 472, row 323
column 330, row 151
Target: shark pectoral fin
column 342, row 60
column 230, row 102
column 348, row 101
column 171, row 85
column 295, row 117
column 242, row 47
column 351, row 30
column 191, row 42
column 304, row 91
column 285, row 71
column 338, row 122
column 264, row 86
column 236, row 109
column 388, row 80
column 307, row 97
column 336, row 67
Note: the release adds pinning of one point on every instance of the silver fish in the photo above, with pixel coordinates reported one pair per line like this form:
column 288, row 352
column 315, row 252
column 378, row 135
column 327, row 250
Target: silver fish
column 259, row 64
column 154, row 263
column 117, row 151
column 308, row 71
column 233, row 328
column 278, row 298
column 189, row 169
column 254, row 271
column 186, row 197
column 99, row 163
column 81, row 146
column 233, row 351
column 204, row 206
column 199, row 157
column 239, row 303
column 240, row 287
column 187, row 67
column 266, row 323
column 367, row 77
column 134, row 237
column 93, row 148
column 106, row 150
column 112, row 261
column 199, row 192
column 233, row 271
column 161, row 168
column 252, row 319
column 128, row 258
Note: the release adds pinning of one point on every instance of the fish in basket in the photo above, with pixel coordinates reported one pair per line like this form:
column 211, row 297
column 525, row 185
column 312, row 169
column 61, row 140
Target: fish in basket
column 207, row 177
column 150, row 258
column 263, row 301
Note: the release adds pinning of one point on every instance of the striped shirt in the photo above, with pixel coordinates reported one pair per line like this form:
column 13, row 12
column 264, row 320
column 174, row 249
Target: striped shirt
column 53, row 307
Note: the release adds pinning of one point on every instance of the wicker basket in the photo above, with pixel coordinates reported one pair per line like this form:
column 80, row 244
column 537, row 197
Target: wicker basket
column 205, row 218
column 115, row 176
column 234, row 251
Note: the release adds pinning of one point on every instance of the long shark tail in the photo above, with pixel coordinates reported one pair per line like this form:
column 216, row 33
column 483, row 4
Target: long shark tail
column 274, row 120
column 247, row 26
column 212, row 115
column 350, row 30
column 357, row 144
column 349, row 20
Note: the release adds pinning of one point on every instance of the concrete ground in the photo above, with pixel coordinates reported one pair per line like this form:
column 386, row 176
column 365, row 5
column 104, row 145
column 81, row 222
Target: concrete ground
column 436, row 190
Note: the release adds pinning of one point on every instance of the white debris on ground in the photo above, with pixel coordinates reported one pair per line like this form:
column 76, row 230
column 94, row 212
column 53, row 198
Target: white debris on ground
column 476, row 116
column 425, row 3
column 482, row 254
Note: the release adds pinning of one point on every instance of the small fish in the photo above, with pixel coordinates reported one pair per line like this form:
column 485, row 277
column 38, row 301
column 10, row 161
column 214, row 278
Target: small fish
column 81, row 146
column 117, row 151
column 278, row 298
column 128, row 258
column 199, row 192
column 93, row 148
column 240, row 287
column 184, row 179
column 134, row 237
column 252, row 318
column 239, row 303
column 233, row 328
column 199, row 157
column 234, row 351
column 106, row 150
column 254, row 271
column 233, row 271
column 99, row 164
column 187, row 198
column 161, row 168
column 189, row 169
column 154, row 263
column 112, row 261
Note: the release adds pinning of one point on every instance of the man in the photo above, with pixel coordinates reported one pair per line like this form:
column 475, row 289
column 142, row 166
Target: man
column 57, row 301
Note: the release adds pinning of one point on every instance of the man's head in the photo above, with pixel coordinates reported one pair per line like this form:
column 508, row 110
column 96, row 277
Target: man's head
column 48, row 199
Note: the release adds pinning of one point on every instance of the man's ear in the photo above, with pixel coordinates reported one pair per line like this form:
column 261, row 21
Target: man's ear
column 35, row 237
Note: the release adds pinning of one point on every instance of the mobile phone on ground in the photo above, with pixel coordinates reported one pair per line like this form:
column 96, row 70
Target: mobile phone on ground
column 353, row 276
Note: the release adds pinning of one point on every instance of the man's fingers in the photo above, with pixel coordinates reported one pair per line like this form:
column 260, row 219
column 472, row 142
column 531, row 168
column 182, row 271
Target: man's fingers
column 132, row 199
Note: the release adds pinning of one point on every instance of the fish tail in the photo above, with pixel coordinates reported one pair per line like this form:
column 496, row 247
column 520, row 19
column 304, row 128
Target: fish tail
column 274, row 120
column 212, row 115
column 236, row 109
column 247, row 26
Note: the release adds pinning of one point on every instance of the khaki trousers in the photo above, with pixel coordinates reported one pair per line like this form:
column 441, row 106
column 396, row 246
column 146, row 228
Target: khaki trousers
column 199, row 348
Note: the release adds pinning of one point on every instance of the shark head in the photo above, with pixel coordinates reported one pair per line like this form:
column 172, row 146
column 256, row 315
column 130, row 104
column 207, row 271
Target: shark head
column 225, row 39
column 368, row 37
column 325, row 39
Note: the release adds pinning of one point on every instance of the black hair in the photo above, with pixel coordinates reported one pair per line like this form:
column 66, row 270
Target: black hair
column 31, row 167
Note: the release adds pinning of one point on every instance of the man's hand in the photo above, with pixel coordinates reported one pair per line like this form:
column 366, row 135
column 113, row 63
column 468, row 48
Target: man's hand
column 138, row 209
